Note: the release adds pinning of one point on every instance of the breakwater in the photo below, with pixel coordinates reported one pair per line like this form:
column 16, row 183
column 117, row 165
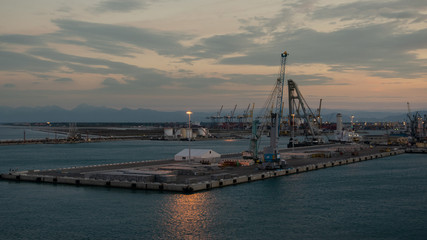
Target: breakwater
column 192, row 177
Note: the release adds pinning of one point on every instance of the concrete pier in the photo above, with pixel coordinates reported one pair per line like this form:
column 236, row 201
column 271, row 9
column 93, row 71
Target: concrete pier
column 416, row 150
column 187, row 177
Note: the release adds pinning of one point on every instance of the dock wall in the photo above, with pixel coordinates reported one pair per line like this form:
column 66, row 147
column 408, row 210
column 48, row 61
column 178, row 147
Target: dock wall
column 33, row 176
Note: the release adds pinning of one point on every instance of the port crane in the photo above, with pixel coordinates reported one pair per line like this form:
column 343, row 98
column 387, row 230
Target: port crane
column 251, row 113
column 245, row 115
column 270, row 116
column 299, row 110
column 319, row 117
column 216, row 118
column 416, row 125
column 230, row 117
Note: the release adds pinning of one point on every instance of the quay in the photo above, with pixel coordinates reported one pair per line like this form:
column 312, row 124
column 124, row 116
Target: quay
column 192, row 176
column 416, row 150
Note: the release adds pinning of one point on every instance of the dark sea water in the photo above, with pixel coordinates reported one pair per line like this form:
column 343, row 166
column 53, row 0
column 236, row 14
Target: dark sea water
column 18, row 132
column 378, row 199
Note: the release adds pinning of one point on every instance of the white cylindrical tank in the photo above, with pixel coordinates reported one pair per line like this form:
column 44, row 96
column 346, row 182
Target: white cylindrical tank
column 177, row 133
column 339, row 122
column 168, row 132
column 184, row 132
column 189, row 133
column 203, row 132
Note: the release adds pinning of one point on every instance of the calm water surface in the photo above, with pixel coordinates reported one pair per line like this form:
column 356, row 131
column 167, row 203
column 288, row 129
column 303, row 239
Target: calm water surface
column 18, row 132
column 378, row 199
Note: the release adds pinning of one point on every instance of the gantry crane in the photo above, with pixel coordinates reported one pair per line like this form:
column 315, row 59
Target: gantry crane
column 217, row 117
column 270, row 116
column 228, row 119
column 244, row 116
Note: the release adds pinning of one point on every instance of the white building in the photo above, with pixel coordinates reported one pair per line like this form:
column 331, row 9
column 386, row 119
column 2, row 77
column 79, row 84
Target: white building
column 343, row 135
column 197, row 154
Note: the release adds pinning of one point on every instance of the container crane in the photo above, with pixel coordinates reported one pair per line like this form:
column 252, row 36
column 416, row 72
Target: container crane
column 232, row 113
column 218, row 114
column 269, row 116
column 230, row 117
column 216, row 118
column 244, row 117
column 246, row 113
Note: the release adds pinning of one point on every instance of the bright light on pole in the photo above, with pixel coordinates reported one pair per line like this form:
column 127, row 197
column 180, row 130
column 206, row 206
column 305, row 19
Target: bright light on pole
column 189, row 132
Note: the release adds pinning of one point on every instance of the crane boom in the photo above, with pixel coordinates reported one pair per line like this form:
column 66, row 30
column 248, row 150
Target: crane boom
column 299, row 109
column 220, row 110
column 234, row 110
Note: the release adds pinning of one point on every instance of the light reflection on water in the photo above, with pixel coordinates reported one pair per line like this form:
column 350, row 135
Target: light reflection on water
column 187, row 216
column 229, row 140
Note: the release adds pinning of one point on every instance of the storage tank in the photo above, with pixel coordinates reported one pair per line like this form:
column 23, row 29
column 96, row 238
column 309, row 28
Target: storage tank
column 168, row 132
column 339, row 122
column 189, row 133
column 183, row 132
column 203, row 132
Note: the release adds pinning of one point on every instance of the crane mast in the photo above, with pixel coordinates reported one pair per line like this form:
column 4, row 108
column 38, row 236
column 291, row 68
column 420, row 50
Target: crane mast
column 281, row 84
column 269, row 117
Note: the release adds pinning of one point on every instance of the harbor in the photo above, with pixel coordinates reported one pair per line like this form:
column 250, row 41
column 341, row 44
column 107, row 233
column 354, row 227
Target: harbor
column 193, row 176
column 193, row 170
column 213, row 120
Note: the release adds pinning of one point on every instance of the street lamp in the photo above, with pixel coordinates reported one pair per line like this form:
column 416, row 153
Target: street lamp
column 189, row 132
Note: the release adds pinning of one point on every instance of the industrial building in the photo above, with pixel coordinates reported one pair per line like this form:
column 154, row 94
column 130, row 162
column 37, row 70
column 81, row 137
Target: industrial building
column 197, row 154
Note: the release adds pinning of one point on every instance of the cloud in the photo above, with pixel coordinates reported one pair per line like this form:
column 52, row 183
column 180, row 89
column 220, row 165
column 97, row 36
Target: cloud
column 64, row 9
column 9, row 85
column 112, row 39
column 380, row 38
column 63, row 80
column 107, row 47
column 11, row 61
column 371, row 48
column 110, row 82
column 220, row 45
column 136, row 79
column 150, row 77
column 120, row 5
column 53, row 54
column 306, row 79
column 371, row 10
column 21, row 39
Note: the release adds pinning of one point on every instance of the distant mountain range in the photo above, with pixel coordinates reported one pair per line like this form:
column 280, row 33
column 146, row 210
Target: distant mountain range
column 87, row 113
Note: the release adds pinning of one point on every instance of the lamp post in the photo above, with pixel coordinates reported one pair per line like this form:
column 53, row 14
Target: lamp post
column 293, row 130
column 189, row 132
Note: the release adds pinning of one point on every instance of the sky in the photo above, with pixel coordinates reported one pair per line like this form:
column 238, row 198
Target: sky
column 198, row 55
